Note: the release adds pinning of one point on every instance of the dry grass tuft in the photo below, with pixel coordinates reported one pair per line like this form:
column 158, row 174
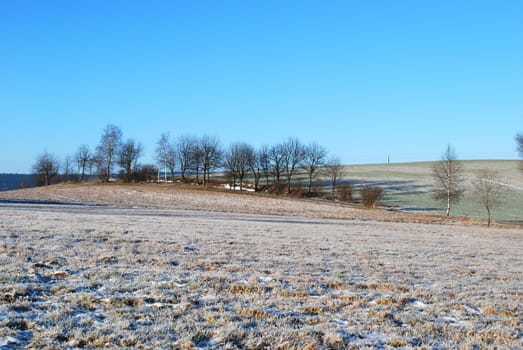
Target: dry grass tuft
column 244, row 289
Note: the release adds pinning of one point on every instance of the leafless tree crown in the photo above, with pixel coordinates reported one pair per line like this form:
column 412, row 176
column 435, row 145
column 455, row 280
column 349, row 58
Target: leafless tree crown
column 334, row 170
column 293, row 153
column 313, row 158
column 166, row 154
column 489, row 190
column 448, row 179
column 128, row 157
column 107, row 150
column 83, row 157
column 46, row 168
column 239, row 159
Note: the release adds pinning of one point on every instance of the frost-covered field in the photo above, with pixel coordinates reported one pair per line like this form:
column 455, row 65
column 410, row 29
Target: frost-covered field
column 122, row 277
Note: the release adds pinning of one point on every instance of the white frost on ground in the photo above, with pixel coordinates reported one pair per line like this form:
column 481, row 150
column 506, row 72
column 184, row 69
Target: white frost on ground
column 161, row 276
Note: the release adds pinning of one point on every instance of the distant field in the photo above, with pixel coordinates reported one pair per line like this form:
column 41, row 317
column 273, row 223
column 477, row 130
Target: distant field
column 409, row 186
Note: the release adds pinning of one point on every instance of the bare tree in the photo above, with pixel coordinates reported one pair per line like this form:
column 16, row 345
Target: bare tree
column 93, row 164
column 489, row 190
column 46, row 168
column 128, row 157
column 264, row 163
column 293, row 153
column 196, row 160
column 212, row 156
column 448, row 177
column 276, row 164
column 184, row 148
column 313, row 159
column 166, row 154
column 67, row 168
column 239, row 159
column 259, row 165
column 334, row 170
column 82, row 157
column 107, row 149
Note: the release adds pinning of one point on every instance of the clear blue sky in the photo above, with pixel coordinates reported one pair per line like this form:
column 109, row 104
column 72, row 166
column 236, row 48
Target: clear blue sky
column 366, row 79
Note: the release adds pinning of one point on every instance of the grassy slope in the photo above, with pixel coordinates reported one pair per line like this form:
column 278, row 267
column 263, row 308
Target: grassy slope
column 409, row 185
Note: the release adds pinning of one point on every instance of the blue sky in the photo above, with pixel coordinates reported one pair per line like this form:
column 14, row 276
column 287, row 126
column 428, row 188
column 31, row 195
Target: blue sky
column 366, row 79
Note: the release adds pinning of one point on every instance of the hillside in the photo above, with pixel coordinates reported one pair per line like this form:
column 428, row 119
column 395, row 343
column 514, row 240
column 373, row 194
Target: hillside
column 408, row 186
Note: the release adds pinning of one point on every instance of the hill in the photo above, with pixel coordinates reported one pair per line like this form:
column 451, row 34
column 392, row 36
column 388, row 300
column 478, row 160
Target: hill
column 408, row 186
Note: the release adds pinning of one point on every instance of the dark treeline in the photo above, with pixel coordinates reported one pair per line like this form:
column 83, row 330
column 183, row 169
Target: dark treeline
column 194, row 159
column 16, row 181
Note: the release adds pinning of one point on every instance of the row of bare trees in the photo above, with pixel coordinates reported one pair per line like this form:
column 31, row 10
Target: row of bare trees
column 196, row 157
column 277, row 165
column 110, row 151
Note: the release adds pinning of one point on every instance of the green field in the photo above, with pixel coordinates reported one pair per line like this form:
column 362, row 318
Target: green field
column 408, row 186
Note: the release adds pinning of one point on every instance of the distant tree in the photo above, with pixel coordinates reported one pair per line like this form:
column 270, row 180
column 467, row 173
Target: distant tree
column 489, row 190
column 196, row 160
column 313, row 158
column 82, row 157
column 276, row 164
column 128, row 157
column 93, row 164
column 263, row 160
column 334, row 170
column 185, row 147
column 293, row 154
column 67, row 168
column 448, row 177
column 212, row 156
column 166, row 155
column 107, row 150
column 259, row 165
column 239, row 160
column 230, row 163
column 46, row 169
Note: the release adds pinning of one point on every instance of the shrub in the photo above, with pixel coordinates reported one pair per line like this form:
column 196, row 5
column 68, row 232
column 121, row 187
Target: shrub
column 345, row 191
column 370, row 195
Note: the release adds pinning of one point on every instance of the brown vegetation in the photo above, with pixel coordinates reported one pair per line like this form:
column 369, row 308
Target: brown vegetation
column 196, row 269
